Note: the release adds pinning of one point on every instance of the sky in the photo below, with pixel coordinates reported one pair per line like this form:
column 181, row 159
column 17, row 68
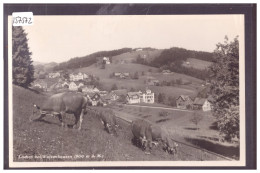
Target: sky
column 59, row 38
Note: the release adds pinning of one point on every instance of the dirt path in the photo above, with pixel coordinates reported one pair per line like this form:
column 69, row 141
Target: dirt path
column 155, row 107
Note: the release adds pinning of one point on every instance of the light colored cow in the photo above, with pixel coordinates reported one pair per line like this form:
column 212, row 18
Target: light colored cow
column 59, row 104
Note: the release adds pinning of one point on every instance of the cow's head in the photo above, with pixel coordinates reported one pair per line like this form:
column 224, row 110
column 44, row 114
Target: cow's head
column 35, row 111
column 170, row 146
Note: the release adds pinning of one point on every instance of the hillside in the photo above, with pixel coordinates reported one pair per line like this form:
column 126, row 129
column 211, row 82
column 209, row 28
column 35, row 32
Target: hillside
column 88, row 60
column 48, row 138
column 197, row 63
column 140, row 84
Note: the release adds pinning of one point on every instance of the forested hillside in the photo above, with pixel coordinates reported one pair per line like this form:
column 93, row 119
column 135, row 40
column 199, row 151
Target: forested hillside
column 173, row 59
column 88, row 60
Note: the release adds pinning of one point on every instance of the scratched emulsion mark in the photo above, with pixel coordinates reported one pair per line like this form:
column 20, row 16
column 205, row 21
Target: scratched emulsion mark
column 22, row 18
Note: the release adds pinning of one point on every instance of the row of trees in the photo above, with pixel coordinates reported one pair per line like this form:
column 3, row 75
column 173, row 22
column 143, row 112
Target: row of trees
column 163, row 99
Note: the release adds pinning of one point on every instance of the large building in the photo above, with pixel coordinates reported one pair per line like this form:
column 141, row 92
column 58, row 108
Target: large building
column 78, row 76
column 147, row 96
column 140, row 97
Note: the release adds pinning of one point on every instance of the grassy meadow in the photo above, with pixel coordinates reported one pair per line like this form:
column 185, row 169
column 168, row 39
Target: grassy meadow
column 48, row 138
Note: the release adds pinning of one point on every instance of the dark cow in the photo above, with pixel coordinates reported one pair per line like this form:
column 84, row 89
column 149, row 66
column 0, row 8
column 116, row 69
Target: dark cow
column 108, row 119
column 142, row 133
column 160, row 135
column 59, row 104
column 145, row 134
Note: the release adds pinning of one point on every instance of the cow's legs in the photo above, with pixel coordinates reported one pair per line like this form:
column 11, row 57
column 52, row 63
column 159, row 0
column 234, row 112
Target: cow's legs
column 76, row 120
column 60, row 118
column 81, row 119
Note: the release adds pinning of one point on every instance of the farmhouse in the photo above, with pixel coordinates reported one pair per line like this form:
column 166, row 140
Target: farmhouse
column 90, row 89
column 117, row 74
column 202, row 104
column 153, row 82
column 184, row 102
column 73, row 86
column 166, row 72
column 103, row 93
column 40, row 84
column 115, row 94
column 95, row 99
column 106, row 60
column 54, row 75
column 133, row 97
column 65, row 84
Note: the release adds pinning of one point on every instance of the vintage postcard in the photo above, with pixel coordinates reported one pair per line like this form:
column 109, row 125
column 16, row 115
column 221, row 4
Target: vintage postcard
column 126, row 90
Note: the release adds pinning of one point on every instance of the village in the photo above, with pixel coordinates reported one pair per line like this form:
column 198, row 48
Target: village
column 85, row 83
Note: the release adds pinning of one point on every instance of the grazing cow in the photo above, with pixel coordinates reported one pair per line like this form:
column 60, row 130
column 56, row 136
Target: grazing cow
column 145, row 134
column 142, row 134
column 108, row 119
column 163, row 136
column 59, row 104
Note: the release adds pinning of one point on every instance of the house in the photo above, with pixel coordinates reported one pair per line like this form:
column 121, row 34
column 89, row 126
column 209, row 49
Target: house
column 73, row 86
column 202, row 104
column 126, row 74
column 106, row 60
column 85, row 76
column 184, row 102
column 103, row 93
column 138, row 49
column 54, row 75
column 90, row 89
column 76, row 77
column 40, row 84
column 95, row 99
column 116, row 94
column 153, row 82
column 117, row 74
column 147, row 96
column 138, row 97
column 65, row 84
column 133, row 97
column 166, row 72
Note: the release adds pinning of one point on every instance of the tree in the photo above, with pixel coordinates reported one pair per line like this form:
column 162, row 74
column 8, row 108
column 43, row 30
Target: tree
column 161, row 98
column 114, row 87
column 132, row 89
column 172, row 101
column 179, row 81
column 163, row 114
column 66, row 75
column 136, row 75
column 225, row 88
column 196, row 118
column 23, row 69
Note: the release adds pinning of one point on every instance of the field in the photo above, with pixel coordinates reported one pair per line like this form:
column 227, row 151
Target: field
column 197, row 63
column 123, row 63
column 47, row 141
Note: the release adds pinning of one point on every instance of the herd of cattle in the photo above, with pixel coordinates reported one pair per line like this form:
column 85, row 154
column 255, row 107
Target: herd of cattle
column 145, row 134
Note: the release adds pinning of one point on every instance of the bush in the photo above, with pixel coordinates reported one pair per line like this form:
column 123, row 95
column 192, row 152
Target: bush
column 163, row 114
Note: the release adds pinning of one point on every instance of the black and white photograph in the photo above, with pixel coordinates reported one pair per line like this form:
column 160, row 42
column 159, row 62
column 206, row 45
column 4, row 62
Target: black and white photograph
column 131, row 90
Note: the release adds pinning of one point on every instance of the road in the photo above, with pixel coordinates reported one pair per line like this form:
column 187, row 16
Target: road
column 156, row 107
